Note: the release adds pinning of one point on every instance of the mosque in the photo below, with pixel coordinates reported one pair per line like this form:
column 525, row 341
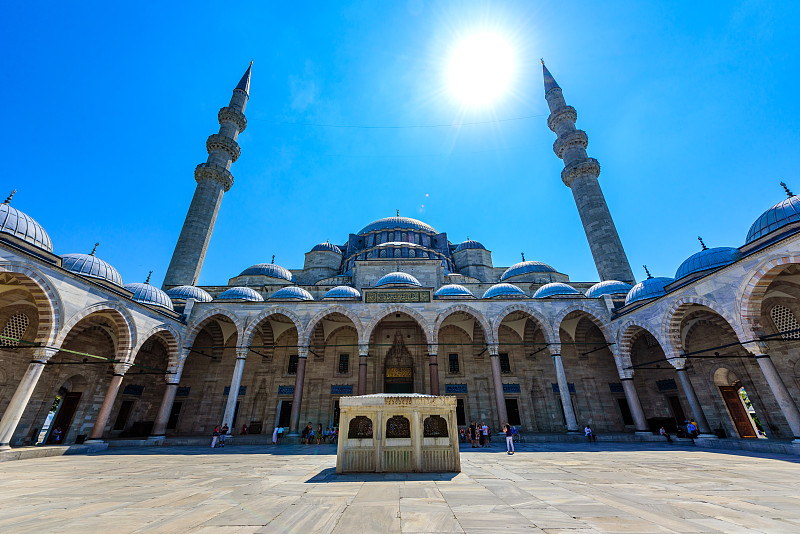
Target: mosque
column 398, row 307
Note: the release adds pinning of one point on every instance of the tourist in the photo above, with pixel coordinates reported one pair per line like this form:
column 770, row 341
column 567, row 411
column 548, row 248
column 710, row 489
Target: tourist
column 214, row 437
column 462, row 434
column 275, row 436
column 57, row 434
column 481, row 435
column 509, row 439
column 663, row 432
column 319, row 434
column 304, row 434
column 484, row 435
column 244, row 429
column 587, row 430
column 280, row 434
column 471, row 433
column 691, row 429
column 223, row 434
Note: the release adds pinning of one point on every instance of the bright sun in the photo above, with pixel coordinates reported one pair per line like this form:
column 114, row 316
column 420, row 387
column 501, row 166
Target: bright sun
column 481, row 69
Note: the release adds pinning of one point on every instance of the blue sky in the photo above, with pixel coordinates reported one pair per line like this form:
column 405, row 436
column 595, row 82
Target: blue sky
column 691, row 109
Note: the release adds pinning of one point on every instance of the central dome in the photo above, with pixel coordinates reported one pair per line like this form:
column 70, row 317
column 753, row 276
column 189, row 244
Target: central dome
column 403, row 223
column 398, row 279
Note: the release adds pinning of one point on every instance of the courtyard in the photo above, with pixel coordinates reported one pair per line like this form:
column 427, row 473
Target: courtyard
column 575, row 488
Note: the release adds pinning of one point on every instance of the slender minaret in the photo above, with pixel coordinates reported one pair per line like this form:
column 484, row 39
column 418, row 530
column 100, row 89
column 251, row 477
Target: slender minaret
column 580, row 174
column 213, row 179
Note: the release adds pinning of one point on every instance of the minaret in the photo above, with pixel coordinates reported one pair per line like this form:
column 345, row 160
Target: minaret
column 213, row 179
column 580, row 174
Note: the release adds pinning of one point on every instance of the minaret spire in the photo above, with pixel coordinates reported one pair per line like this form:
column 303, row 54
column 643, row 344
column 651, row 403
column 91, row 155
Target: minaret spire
column 213, row 180
column 580, row 175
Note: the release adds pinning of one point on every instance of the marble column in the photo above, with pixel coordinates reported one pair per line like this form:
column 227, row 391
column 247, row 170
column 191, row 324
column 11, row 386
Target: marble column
column 233, row 393
column 639, row 420
column 164, row 411
column 18, row 403
column 782, row 395
column 434, row 369
column 99, row 428
column 497, row 379
column 563, row 389
column 697, row 410
column 294, row 419
column 363, row 352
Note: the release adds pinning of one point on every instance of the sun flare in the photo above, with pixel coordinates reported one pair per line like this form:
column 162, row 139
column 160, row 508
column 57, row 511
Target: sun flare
column 481, row 69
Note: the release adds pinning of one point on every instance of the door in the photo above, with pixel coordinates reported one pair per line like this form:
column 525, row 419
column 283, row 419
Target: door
column 625, row 411
column 739, row 415
column 461, row 417
column 124, row 413
column 336, row 413
column 175, row 412
column 399, row 380
column 64, row 417
column 677, row 409
column 512, row 410
column 285, row 413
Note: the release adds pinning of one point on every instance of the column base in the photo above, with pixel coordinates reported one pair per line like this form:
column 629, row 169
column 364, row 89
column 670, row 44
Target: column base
column 707, row 436
column 94, row 440
column 5, row 447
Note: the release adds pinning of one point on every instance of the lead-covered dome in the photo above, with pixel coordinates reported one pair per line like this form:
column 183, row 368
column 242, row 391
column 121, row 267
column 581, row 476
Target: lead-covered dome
column 241, row 293
column 781, row 214
column 342, row 292
column 147, row 294
column 291, row 293
column 397, row 279
column 710, row 258
column 553, row 289
column 326, row 247
column 525, row 267
column 404, row 223
column 648, row 289
column 189, row 292
column 469, row 244
column 504, row 291
column 608, row 287
column 453, row 290
column 91, row 266
column 269, row 269
column 18, row 224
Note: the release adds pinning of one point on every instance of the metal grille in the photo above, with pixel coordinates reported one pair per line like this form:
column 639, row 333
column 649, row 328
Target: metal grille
column 292, row 369
column 453, row 359
column 435, row 426
column 360, row 428
column 15, row 327
column 398, row 427
column 505, row 365
column 344, row 363
column 784, row 321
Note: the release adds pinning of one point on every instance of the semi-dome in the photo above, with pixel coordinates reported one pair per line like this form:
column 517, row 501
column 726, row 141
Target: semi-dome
column 16, row 223
column 453, row 290
column 147, row 294
column 291, row 293
column 648, row 289
column 342, row 292
column 553, row 289
column 91, row 266
column 404, row 223
column 189, row 292
column 397, row 278
column 241, row 293
column 609, row 287
column 326, row 247
column 469, row 244
column 784, row 212
column 269, row 269
column 710, row 258
column 504, row 291
column 525, row 267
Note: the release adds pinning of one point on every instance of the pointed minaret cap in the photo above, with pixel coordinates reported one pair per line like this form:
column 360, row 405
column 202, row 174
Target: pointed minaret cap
column 244, row 83
column 549, row 81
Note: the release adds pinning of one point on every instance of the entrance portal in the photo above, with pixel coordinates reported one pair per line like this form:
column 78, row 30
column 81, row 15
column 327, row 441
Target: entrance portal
column 285, row 413
column 63, row 419
column 399, row 375
column 739, row 415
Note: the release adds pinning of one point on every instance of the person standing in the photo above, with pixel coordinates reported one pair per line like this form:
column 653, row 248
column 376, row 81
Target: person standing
column 481, row 435
column 214, row 436
column 484, row 435
column 304, row 434
column 57, row 434
column 319, row 434
column 223, row 434
column 275, row 436
column 509, row 439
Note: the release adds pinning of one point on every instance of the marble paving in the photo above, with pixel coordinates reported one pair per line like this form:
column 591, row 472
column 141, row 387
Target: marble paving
column 558, row 488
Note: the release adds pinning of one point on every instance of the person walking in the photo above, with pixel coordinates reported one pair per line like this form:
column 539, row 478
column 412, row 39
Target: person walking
column 509, row 439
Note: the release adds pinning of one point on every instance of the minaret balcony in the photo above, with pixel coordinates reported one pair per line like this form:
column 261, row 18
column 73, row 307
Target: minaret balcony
column 224, row 143
column 564, row 113
column 577, row 138
column 589, row 166
column 211, row 171
column 229, row 114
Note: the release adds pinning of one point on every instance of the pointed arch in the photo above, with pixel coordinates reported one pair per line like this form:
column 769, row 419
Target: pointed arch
column 120, row 316
column 625, row 335
column 45, row 298
column 252, row 327
column 547, row 330
column 397, row 308
column 592, row 315
column 309, row 331
column 478, row 316
column 172, row 341
column 752, row 292
column 199, row 323
column 671, row 324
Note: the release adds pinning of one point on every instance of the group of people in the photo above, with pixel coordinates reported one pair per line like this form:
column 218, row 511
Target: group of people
column 691, row 431
column 479, row 435
column 309, row 436
column 219, row 435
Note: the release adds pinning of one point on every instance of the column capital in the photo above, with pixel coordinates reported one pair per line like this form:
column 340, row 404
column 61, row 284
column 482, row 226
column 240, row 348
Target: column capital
column 122, row 368
column 493, row 349
column 756, row 348
column 43, row 354
column 555, row 349
column 242, row 352
column 302, row 352
column 433, row 349
column 363, row 349
column 678, row 363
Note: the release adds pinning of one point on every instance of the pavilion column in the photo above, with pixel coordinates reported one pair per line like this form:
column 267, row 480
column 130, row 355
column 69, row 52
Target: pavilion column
column 294, row 419
column 363, row 352
column 18, row 403
column 697, row 410
column 499, row 395
column 434, row 369
column 563, row 389
column 777, row 386
column 164, row 411
column 639, row 420
column 233, row 393
column 100, row 423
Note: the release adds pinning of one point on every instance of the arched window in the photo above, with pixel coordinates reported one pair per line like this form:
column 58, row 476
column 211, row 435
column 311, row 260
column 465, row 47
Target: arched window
column 784, row 321
column 15, row 328
column 360, row 428
column 435, row 426
column 398, row 427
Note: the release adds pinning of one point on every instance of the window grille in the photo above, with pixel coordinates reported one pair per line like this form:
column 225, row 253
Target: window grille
column 292, row 370
column 453, row 359
column 15, row 327
column 505, row 365
column 784, row 321
column 344, row 363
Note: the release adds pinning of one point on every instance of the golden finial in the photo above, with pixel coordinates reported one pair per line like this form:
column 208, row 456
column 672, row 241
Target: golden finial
column 8, row 200
column 148, row 277
column 95, row 248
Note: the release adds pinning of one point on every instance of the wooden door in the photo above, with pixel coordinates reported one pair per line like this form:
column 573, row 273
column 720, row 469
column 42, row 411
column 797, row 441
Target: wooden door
column 738, row 413
column 64, row 417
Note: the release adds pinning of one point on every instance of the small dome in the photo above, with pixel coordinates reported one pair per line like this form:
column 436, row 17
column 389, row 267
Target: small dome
column 453, row 290
column 648, row 289
column 390, row 223
column 16, row 223
column 342, row 292
column 189, row 292
column 784, row 212
column 709, row 258
column 504, row 291
column 555, row 288
column 241, row 293
column 326, row 247
column 91, row 266
column 291, row 293
column 609, row 287
column 268, row 269
column 147, row 294
column 469, row 244
column 525, row 267
column 397, row 279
